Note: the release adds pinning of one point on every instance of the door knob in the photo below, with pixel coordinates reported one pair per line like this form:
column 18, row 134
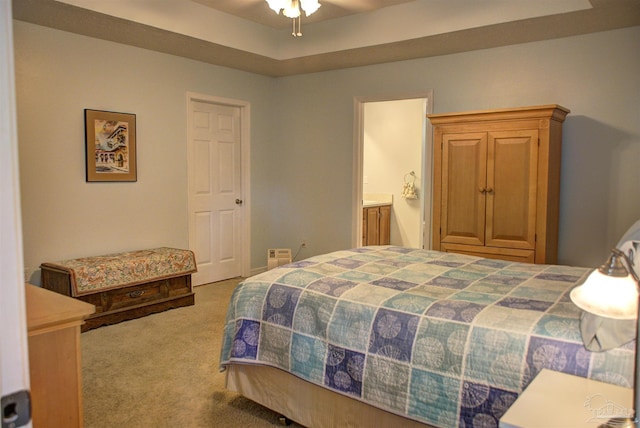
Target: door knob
column 238, row 201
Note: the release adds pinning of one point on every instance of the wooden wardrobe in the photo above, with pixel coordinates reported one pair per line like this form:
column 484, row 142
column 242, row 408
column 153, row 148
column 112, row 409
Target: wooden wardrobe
column 497, row 182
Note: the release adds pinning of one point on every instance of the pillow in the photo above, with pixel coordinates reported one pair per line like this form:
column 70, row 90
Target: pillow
column 632, row 234
column 630, row 245
column 632, row 250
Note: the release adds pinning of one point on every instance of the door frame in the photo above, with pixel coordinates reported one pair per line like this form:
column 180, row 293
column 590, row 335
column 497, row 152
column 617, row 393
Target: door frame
column 358, row 163
column 14, row 345
column 245, row 163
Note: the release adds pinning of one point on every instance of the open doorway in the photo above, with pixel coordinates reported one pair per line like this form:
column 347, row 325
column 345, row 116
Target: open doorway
column 392, row 152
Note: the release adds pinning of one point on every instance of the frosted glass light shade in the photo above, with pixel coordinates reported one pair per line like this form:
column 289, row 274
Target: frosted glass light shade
column 310, row 6
column 608, row 296
column 277, row 5
column 291, row 8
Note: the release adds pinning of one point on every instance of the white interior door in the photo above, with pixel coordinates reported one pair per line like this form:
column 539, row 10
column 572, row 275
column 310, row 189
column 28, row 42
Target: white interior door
column 215, row 190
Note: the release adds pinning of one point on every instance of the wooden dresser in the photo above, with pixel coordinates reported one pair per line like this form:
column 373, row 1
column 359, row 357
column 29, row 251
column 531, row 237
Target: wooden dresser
column 496, row 184
column 53, row 324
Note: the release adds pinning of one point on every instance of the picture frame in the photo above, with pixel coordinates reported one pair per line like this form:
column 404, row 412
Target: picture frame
column 110, row 144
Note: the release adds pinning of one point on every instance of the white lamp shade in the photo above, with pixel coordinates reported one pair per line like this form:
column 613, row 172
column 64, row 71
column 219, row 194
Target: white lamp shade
column 608, row 296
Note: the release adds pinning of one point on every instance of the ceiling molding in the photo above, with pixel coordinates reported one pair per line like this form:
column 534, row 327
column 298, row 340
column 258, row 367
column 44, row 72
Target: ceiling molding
column 65, row 17
column 492, row 36
column 606, row 15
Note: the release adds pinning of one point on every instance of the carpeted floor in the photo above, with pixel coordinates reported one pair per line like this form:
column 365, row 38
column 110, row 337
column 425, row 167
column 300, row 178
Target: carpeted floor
column 162, row 370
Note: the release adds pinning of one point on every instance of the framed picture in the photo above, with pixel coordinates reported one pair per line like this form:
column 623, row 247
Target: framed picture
column 110, row 140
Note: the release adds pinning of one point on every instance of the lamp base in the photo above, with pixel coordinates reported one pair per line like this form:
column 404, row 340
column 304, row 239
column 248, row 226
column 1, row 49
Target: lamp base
column 619, row 423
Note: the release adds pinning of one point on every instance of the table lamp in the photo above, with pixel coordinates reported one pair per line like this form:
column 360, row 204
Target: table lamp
column 611, row 291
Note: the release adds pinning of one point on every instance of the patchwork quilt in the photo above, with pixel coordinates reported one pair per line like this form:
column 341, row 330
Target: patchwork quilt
column 441, row 338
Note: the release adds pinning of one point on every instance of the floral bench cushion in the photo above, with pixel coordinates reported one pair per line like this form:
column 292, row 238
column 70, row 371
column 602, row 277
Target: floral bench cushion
column 100, row 273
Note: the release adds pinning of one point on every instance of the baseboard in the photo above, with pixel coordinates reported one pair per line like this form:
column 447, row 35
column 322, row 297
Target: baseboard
column 256, row 271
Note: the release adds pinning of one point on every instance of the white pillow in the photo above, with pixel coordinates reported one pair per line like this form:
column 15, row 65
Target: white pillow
column 632, row 250
column 632, row 234
column 630, row 245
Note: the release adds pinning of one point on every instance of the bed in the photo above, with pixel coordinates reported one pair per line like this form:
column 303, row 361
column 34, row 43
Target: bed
column 393, row 336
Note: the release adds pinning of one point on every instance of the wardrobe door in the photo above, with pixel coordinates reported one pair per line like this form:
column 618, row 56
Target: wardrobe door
column 512, row 177
column 464, row 173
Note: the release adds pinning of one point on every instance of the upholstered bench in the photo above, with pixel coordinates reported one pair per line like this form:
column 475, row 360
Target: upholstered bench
column 125, row 286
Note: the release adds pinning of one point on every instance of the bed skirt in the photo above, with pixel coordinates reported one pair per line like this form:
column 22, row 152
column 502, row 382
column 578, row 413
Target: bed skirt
column 305, row 403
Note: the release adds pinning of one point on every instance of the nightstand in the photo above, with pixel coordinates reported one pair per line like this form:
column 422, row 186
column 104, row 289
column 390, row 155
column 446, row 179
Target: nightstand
column 555, row 399
column 53, row 324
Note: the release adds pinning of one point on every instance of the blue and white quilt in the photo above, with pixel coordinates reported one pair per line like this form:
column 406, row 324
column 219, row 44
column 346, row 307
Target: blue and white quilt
column 441, row 338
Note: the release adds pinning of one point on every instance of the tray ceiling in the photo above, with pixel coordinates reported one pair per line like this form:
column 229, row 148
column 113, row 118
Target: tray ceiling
column 247, row 35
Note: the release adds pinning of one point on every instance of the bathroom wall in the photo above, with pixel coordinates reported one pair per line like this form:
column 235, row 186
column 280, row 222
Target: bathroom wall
column 393, row 145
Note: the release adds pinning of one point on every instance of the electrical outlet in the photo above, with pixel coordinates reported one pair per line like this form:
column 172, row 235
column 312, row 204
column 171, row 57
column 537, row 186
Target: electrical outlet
column 26, row 274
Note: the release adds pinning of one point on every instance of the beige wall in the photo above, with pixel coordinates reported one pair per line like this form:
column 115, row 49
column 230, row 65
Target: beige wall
column 60, row 74
column 302, row 138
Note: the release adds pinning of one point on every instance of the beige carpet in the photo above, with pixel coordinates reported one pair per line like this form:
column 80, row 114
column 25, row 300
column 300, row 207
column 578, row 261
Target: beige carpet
column 162, row 370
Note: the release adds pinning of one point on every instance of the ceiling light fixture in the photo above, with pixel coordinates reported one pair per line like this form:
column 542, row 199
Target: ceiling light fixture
column 291, row 9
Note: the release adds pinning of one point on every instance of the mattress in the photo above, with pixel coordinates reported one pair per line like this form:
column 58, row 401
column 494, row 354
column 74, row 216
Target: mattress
column 439, row 338
column 305, row 403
